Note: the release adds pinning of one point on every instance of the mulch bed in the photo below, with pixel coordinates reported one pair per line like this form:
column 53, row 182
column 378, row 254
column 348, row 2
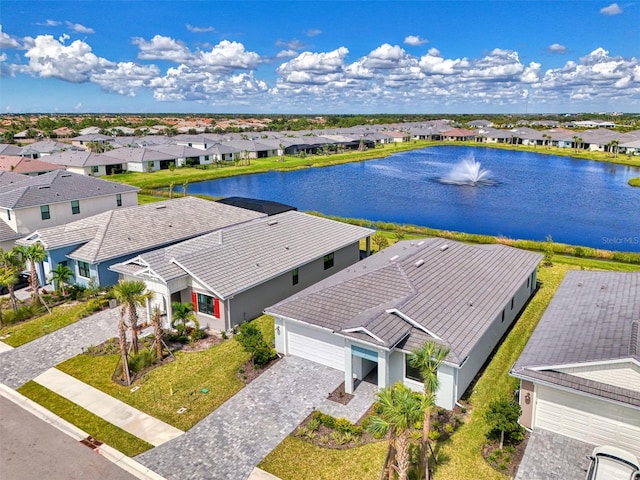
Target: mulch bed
column 248, row 372
column 323, row 436
column 505, row 462
column 340, row 396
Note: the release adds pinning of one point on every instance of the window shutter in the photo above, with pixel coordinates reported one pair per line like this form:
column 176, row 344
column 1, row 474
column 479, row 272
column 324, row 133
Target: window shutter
column 194, row 300
column 216, row 308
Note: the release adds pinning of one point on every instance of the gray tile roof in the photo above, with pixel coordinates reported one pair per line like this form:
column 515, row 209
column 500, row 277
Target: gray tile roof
column 11, row 178
column 81, row 158
column 590, row 319
column 58, row 186
column 449, row 289
column 127, row 231
column 237, row 258
column 7, row 233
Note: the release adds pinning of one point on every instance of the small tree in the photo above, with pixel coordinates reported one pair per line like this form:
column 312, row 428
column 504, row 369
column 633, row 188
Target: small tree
column 253, row 342
column 380, row 241
column 60, row 276
column 183, row 313
column 548, row 252
column 502, row 418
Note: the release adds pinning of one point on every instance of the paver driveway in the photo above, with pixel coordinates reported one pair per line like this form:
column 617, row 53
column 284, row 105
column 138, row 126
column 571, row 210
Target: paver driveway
column 24, row 363
column 240, row 433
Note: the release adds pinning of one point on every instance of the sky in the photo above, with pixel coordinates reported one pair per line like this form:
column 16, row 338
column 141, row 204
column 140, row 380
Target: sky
column 319, row 56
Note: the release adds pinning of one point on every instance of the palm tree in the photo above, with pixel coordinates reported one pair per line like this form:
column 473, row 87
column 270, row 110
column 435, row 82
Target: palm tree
column 156, row 319
column 427, row 359
column 132, row 294
column 183, row 313
column 400, row 408
column 10, row 265
column 614, row 147
column 122, row 341
column 60, row 276
column 34, row 254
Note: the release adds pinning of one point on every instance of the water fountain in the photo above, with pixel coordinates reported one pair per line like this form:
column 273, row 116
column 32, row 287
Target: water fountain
column 468, row 172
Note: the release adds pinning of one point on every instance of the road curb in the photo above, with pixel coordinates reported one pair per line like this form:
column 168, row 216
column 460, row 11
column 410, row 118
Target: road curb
column 110, row 453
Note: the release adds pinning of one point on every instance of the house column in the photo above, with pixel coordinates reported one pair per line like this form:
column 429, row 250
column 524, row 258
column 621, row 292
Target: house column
column 348, row 368
column 383, row 369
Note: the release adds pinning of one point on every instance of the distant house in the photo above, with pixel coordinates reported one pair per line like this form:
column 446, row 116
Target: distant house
column 370, row 316
column 26, row 166
column 82, row 140
column 84, row 162
column 458, row 135
column 57, row 198
column 91, row 245
column 580, row 371
column 232, row 274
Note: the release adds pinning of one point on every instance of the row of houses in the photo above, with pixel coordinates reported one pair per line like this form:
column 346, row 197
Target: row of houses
column 156, row 152
column 233, row 260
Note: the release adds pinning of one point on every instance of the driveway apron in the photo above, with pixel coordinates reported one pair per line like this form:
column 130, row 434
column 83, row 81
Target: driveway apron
column 231, row 441
column 24, row 363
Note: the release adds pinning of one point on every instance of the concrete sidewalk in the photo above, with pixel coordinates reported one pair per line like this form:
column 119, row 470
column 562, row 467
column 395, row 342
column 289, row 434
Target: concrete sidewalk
column 112, row 410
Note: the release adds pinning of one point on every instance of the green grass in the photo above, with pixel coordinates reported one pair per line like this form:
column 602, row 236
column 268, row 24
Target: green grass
column 459, row 457
column 60, row 317
column 95, row 426
column 295, row 458
column 144, row 198
column 175, row 385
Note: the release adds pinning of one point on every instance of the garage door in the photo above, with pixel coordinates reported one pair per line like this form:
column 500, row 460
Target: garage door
column 316, row 345
column 587, row 419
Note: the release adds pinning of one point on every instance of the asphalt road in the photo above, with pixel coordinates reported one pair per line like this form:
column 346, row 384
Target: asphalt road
column 31, row 448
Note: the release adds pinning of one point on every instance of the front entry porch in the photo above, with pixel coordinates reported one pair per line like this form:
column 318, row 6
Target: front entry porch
column 364, row 363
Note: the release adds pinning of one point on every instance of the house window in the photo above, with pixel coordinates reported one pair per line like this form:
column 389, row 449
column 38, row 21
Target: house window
column 119, row 199
column 410, row 372
column 502, row 320
column 95, row 169
column 206, row 304
column 294, row 276
column 8, row 214
column 328, row 261
column 44, row 212
column 75, row 207
column 83, row 269
column 512, row 304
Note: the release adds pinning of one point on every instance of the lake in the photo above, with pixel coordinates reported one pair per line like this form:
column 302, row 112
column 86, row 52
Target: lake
column 575, row 201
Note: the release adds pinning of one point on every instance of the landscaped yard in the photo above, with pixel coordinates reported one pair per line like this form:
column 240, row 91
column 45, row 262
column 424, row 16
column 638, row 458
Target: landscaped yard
column 459, row 457
column 175, row 385
column 60, row 316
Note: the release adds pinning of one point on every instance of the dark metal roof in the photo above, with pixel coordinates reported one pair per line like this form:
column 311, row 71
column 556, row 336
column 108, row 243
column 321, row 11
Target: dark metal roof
column 257, row 205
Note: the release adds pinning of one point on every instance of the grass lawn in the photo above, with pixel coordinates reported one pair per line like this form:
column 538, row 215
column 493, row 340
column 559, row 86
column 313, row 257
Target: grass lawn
column 459, row 457
column 60, row 316
column 295, row 458
column 95, row 426
column 178, row 384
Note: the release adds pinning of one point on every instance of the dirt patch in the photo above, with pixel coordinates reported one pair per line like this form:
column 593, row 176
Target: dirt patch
column 340, row 396
column 248, row 372
column 506, row 460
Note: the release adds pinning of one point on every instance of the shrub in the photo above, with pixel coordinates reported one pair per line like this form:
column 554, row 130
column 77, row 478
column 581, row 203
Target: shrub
column 313, row 424
column 198, row 334
column 502, row 418
column 141, row 360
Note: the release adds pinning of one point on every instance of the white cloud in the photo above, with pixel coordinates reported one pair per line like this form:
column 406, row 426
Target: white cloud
column 415, row 40
column 557, row 48
column 78, row 28
column 161, row 48
column 286, row 54
column 613, row 9
column 6, row 41
column 313, row 32
column 311, row 64
column 195, row 29
column 227, row 56
column 74, row 63
column 294, row 44
column 49, row 23
column 125, row 78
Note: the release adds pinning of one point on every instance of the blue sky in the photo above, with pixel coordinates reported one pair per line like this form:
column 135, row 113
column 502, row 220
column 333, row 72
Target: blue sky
column 315, row 56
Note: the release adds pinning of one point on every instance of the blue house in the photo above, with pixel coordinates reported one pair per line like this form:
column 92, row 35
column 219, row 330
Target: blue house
column 91, row 245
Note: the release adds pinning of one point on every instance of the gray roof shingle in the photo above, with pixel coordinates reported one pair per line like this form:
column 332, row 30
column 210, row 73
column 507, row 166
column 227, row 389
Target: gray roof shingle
column 449, row 289
column 58, row 186
column 590, row 319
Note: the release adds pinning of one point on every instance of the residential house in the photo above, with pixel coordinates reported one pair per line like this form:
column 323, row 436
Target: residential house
column 57, row 198
column 90, row 246
column 26, row 165
column 232, row 274
column 84, row 162
column 580, row 371
column 95, row 138
column 370, row 316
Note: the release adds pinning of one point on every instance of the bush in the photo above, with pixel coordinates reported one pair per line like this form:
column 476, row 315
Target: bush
column 253, row 342
column 502, row 418
column 198, row 334
column 141, row 360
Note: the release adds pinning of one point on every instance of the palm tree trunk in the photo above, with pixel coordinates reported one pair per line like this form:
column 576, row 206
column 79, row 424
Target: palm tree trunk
column 157, row 333
column 33, row 279
column 133, row 325
column 402, row 447
column 122, row 338
column 423, row 467
column 14, row 300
